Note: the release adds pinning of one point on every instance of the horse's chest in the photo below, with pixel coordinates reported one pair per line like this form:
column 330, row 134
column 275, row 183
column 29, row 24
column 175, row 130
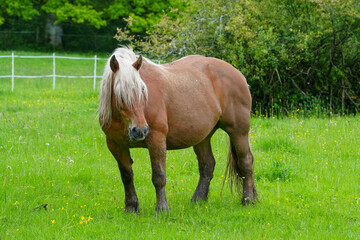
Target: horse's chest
column 117, row 132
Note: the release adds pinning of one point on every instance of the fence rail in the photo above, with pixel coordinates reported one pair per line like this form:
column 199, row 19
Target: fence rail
column 53, row 75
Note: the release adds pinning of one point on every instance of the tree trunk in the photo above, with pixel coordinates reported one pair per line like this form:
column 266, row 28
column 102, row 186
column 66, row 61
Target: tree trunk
column 53, row 32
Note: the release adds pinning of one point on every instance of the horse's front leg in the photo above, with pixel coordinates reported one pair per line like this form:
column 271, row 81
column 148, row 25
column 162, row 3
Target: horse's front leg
column 156, row 144
column 122, row 156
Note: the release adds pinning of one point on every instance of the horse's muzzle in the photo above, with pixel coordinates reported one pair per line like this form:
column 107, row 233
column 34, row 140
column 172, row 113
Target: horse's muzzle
column 137, row 134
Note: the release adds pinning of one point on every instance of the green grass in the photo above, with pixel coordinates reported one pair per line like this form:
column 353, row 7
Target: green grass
column 53, row 151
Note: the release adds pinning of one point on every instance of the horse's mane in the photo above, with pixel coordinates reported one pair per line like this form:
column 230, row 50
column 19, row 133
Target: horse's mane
column 128, row 87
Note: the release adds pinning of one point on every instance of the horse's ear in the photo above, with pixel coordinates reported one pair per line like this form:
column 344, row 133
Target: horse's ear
column 114, row 65
column 137, row 63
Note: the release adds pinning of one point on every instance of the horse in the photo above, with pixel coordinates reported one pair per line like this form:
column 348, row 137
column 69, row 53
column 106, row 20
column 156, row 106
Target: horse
column 172, row 106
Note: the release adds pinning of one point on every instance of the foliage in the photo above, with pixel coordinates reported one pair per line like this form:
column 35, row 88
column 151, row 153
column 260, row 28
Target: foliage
column 24, row 9
column 95, row 13
column 81, row 11
column 77, row 25
column 78, row 11
column 292, row 52
column 144, row 14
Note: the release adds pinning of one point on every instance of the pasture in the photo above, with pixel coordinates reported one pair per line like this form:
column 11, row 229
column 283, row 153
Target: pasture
column 52, row 151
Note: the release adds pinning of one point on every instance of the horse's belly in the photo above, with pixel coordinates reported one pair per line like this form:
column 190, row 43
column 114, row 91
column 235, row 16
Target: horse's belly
column 188, row 134
column 177, row 142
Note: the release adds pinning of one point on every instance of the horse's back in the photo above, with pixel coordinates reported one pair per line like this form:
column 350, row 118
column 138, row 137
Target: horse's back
column 221, row 78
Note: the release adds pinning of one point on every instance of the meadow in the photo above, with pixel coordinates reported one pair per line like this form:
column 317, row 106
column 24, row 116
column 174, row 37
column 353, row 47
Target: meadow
column 59, row 181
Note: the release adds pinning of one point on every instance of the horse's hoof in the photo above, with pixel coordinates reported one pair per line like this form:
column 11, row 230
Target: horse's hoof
column 247, row 201
column 131, row 209
column 196, row 199
column 161, row 209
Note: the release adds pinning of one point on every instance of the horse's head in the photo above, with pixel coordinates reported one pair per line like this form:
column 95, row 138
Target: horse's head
column 130, row 93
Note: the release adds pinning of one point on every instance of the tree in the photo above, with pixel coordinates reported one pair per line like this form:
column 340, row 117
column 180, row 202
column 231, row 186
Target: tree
column 94, row 13
column 144, row 13
column 24, row 9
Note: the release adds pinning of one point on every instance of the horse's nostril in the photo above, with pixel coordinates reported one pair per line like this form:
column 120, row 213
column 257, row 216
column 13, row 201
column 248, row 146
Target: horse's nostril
column 135, row 133
column 146, row 130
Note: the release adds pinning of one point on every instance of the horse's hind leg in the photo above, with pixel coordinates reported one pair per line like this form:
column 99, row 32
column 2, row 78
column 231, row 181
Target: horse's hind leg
column 206, row 163
column 243, row 165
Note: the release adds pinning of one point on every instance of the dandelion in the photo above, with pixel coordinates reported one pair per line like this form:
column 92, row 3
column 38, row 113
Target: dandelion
column 82, row 217
column 53, row 221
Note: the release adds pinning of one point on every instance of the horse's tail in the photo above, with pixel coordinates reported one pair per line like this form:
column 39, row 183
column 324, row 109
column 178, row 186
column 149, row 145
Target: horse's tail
column 232, row 171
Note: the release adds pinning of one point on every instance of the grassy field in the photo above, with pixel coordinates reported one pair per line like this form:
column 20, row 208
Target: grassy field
column 53, row 152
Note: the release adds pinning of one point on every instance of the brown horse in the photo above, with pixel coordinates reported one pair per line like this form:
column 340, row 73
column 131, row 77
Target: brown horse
column 173, row 106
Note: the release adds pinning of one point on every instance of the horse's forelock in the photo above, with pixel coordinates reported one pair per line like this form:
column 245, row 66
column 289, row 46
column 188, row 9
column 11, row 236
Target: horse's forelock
column 128, row 86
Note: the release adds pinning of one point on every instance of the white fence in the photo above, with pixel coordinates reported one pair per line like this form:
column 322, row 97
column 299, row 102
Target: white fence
column 53, row 75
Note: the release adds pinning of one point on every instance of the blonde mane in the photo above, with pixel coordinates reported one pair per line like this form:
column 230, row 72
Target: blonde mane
column 128, row 86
